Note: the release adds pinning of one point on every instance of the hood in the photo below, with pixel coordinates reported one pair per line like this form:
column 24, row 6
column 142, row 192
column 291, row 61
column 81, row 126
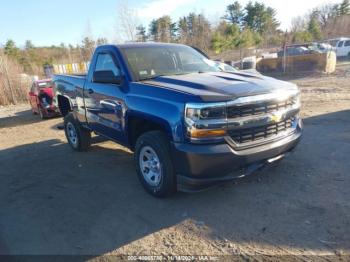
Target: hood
column 47, row 91
column 222, row 86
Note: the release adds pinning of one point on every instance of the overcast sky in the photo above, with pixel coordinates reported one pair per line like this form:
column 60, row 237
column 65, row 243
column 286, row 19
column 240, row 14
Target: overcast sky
column 53, row 22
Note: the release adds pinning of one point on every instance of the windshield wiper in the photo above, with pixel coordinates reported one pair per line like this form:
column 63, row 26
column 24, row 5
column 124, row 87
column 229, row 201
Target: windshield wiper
column 177, row 74
column 151, row 77
column 156, row 76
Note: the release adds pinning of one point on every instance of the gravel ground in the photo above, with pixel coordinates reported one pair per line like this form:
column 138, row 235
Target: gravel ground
column 56, row 201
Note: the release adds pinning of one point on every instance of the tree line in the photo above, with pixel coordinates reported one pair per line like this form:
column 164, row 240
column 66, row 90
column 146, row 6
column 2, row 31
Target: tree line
column 252, row 25
column 32, row 59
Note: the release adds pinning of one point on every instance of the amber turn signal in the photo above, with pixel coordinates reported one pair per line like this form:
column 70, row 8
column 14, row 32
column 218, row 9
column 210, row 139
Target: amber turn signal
column 204, row 133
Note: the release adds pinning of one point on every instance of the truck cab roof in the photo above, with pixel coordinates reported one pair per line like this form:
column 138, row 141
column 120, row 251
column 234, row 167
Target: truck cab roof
column 145, row 44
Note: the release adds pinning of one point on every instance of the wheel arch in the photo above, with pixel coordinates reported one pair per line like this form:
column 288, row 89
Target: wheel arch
column 64, row 104
column 138, row 125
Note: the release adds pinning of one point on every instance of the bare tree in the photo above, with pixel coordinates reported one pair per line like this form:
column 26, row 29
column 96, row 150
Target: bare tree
column 13, row 83
column 299, row 23
column 195, row 30
column 326, row 12
column 127, row 22
column 6, row 78
column 338, row 26
column 88, row 30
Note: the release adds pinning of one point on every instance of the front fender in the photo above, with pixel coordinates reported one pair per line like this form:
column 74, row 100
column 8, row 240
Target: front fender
column 164, row 113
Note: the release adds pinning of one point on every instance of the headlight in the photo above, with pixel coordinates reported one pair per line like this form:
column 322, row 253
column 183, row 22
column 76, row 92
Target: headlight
column 206, row 113
column 206, row 121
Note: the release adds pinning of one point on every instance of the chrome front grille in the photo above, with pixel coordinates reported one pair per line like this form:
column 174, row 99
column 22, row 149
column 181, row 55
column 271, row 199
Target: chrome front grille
column 246, row 121
column 261, row 121
column 256, row 134
column 259, row 108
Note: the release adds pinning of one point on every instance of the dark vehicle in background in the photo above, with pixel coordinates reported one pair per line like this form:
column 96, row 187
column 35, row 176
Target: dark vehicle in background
column 294, row 51
column 189, row 124
column 306, row 49
column 40, row 98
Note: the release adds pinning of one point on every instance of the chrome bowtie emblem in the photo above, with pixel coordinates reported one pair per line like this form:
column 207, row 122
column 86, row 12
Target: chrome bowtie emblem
column 276, row 118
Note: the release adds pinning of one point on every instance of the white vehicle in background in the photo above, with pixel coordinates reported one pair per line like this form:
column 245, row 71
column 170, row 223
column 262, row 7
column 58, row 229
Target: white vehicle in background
column 342, row 46
column 225, row 67
column 321, row 47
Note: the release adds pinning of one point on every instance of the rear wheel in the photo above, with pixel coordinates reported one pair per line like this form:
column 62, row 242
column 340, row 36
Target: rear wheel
column 78, row 137
column 154, row 165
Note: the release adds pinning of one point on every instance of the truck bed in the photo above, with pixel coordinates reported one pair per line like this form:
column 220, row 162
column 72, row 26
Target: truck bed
column 67, row 84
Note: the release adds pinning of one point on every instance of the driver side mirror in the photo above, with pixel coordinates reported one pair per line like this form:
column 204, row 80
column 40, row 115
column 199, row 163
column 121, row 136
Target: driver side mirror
column 106, row 77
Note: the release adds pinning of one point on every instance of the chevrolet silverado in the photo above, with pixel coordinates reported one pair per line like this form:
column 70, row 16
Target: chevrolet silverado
column 190, row 124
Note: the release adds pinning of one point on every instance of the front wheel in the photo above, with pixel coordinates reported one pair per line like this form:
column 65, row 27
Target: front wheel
column 41, row 113
column 78, row 137
column 154, row 165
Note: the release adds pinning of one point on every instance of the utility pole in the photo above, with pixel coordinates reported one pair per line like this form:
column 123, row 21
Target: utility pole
column 285, row 54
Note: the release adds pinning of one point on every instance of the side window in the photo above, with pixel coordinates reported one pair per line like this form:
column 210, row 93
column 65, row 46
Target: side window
column 347, row 43
column 340, row 44
column 105, row 62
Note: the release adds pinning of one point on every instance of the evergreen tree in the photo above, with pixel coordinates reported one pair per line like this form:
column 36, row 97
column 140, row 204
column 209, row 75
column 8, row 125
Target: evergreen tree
column 29, row 45
column 260, row 18
column 141, row 33
column 87, row 48
column 163, row 29
column 194, row 29
column 344, row 8
column 11, row 49
column 153, row 30
column 234, row 13
column 101, row 41
column 314, row 29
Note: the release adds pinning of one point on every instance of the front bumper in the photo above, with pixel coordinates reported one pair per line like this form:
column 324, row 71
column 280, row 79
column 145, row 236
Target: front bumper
column 200, row 166
column 51, row 111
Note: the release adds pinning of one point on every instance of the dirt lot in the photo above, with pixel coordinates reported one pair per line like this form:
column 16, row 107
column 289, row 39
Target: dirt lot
column 56, row 201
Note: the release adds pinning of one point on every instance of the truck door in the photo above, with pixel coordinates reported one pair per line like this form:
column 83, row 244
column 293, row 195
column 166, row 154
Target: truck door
column 104, row 102
column 347, row 48
column 35, row 97
column 32, row 98
column 340, row 49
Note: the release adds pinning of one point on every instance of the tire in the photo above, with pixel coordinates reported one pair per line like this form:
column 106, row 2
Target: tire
column 164, row 184
column 41, row 113
column 78, row 137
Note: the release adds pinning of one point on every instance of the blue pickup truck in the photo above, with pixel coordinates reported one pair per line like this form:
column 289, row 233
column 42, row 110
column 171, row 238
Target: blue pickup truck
column 190, row 124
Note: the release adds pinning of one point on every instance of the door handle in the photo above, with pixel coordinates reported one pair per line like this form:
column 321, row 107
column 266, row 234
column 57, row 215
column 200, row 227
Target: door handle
column 90, row 91
column 116, row 106
column 109, row 103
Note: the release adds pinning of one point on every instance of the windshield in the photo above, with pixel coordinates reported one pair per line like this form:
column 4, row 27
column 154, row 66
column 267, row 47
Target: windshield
column 153, row 61
column 47, row 84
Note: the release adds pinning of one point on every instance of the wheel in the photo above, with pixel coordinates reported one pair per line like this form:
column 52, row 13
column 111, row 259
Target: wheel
column 41, row 113
column 154, row 165
column 78, row 137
